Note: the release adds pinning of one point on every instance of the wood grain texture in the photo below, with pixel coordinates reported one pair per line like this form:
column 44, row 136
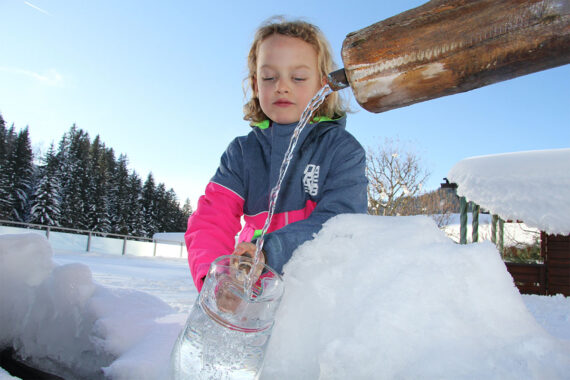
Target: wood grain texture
column 449, row 46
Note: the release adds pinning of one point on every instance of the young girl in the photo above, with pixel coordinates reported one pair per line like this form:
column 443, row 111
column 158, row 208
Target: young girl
column 288, row 63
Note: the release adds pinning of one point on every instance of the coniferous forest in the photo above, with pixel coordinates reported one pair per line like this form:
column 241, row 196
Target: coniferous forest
column 81, row 184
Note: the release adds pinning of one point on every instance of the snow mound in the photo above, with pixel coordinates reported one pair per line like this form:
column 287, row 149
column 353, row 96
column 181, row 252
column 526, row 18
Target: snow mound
column 392, row 297
column 369, row 297
column 529, row 186
column 6, row 376
column 58, row 320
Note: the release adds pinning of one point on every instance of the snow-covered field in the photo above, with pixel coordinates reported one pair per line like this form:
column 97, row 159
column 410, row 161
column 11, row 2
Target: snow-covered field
column 370, row 297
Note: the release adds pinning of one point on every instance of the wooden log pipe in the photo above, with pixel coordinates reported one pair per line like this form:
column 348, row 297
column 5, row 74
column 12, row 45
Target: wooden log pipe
column 446, row 47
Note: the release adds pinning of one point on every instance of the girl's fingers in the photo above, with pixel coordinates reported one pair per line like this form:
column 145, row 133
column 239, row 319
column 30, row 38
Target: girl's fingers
column 247, row 249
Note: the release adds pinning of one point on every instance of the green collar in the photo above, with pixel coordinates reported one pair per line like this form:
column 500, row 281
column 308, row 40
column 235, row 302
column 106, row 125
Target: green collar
column 266, row 123
column 262, row 124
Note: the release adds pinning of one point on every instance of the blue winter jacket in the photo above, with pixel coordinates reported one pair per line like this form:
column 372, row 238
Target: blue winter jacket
column 326, row 177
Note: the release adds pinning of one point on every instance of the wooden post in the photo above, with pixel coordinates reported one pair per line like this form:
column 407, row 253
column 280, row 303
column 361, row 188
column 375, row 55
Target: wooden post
column 462, row 220
column 89, row 242
column 494, row 228
column 543, row 245
column 475, row 222
column 501, row 236
column 446, row 47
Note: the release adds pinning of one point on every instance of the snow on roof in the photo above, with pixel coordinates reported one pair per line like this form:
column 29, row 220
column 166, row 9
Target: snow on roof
column 532, row 186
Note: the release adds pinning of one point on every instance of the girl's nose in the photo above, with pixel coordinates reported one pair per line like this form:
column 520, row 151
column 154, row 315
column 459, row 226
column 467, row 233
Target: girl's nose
column 282, row 86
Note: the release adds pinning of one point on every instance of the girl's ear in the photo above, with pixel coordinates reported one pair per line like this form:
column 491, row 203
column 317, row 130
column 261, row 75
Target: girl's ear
column 323, row 80
column 254, row 82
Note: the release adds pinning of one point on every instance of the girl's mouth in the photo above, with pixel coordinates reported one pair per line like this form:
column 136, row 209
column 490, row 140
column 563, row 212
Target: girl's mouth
column 282, row 103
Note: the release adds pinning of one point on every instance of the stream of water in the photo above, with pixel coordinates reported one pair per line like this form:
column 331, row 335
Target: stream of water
column 306, row 117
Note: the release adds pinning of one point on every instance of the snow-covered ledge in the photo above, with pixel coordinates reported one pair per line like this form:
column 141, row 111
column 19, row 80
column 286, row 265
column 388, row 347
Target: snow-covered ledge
column 532, row 186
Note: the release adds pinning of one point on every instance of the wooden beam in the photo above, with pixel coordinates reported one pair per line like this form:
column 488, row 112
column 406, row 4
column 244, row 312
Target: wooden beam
column 446, row 47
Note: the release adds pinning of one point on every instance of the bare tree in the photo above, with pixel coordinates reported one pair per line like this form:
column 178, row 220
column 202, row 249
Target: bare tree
column 439, row 204
column 395, row 178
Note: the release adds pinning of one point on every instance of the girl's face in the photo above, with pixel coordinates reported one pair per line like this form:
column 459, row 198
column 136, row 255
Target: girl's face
column 287, row 77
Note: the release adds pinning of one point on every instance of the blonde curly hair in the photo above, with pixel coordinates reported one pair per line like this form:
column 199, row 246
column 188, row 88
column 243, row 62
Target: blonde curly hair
column 333, row 106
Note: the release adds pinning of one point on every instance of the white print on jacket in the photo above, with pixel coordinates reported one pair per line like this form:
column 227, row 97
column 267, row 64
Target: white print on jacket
column 311, row 179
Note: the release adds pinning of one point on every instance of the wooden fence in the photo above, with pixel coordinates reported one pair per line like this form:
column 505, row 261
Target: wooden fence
column 557, row 260
column 550, row 278
column 529, row 278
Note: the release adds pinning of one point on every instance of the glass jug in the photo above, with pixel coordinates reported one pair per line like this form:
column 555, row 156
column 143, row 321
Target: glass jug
column 228, row 330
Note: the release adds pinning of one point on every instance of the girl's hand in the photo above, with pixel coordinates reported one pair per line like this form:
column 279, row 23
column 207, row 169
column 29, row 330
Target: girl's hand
column 226, row 298
column 248, row 249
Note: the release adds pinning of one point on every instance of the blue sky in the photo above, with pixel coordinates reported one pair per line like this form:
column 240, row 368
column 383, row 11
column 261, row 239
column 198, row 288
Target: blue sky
column 161, row 81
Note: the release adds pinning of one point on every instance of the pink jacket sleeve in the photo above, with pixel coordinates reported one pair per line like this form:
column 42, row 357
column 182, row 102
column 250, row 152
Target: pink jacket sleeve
column 212, row 229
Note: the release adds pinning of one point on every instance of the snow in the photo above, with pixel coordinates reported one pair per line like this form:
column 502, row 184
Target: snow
column 553, row 313
column 530, row 186
column 60, row 320
column 5, row 375
column 370, row 297
column 169, row 236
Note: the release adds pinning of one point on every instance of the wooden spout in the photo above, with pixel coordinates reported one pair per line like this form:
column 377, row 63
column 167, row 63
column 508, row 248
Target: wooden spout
column 449, row 46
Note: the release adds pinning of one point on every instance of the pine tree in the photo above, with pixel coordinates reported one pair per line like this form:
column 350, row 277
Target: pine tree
column 64, row 179
column 162, row 213
column 149, row 206
column 5, row 185
column 7, row 199
column 187, row 210
column 173, row 212
column 3, row 142
column 111, row 168
column 74, row 177
column 179, row 218
column 136, row 220
column 171, row 217
column 98, row 197
column 120, row 197
column 46, row 199
column 20, row 162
